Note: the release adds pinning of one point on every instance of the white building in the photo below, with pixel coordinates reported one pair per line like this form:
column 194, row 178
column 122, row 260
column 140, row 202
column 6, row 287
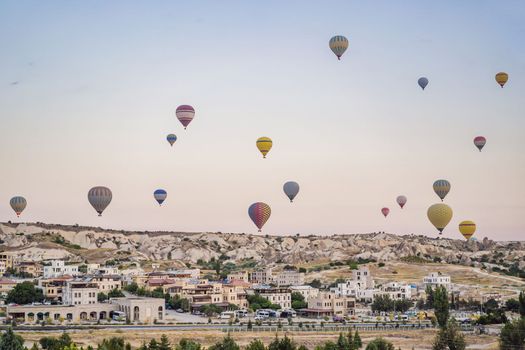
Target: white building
column 437, row 279
column 396, row 291
column 279, row 296
column 264, row 276
column 96, row 269
column 363, row 278
column 59, row 268
column 348, row 288
column 185, row 273
column 306, row 291
column 288, row 278
column 80, row 293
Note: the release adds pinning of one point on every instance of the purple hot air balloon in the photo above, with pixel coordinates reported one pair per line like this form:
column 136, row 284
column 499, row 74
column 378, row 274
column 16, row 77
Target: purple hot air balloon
column 185, row 114
column 385, row 211
column 401, row 200
column 259, row 212
column 479, row 142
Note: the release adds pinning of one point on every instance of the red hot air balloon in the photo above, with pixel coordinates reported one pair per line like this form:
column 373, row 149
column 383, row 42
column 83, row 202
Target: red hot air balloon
column 259, row 212
column 385, row 211
column 401, row 200
column 479, row 142
column 185, row 114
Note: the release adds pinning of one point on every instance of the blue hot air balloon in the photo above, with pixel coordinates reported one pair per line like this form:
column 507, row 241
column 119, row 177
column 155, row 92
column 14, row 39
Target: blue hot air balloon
column 291, row 188
column 423, row 82
column 160, row 196
column 171, row 138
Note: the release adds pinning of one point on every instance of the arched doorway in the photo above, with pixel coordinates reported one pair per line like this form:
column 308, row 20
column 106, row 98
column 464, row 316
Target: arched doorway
column 93, row 315
column 103, row 315
column 69, row 317
column 161, row 312
column 83, row 315
column 136, row 313
column 30, row 317
column 56, row 317
column 40, row 316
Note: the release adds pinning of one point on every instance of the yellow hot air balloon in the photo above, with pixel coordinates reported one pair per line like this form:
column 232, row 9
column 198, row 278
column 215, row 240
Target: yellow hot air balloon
column 467, row 228
column 502, row 78
column 264, row 144
column 439, row 215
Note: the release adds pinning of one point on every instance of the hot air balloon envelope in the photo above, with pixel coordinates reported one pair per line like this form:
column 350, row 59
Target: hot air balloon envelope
column 264, row 144
column 185, row 114
column 467, row 228
column 479, row 142
column 171, row 138
column 18, row 204
column 423, row 82
column 259, row 212
column 401, row 200
column 99, row 197
column 385, row 211
column 442, row 188
column 439, row 215
column 160, row 196
column 291, row 189
column 502, row 78
column 338, row 44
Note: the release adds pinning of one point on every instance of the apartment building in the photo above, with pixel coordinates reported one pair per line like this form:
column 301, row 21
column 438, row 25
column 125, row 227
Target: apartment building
column 59, row 268
column 7, row 259
column 234, row 293
column 96, row 269
column 306, row 291
column 264, row 276
column 30, row 268
column 288, row 278
column 80, row 293
column 280, row 296
column 396, row 291
column 105, row 283
column 52, row 288
column 328, row 303
column 363, row 278
column 239, row 276
column 435, row 279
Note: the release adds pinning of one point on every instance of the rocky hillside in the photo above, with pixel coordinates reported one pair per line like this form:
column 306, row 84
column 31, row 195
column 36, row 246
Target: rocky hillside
column 37, row 241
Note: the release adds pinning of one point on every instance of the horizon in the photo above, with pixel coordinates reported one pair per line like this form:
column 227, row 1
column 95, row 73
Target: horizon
column 89, row 92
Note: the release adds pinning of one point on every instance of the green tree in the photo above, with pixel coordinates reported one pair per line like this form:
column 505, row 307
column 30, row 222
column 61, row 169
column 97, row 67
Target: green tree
column 132, row 288
column 113, row 343
column 449, row 338
column 101, row 297
column 52, row 343
column 164, row 343
column 115, row 293
column 358, row 343
column 441, row 305
column 25, row 293
column 430, row 297
column 512, row 336
column 380, row 344
column 343, row 343
column 512, row 305
column 522, row 304
column 316, row 283
column 153, row 344
column 11, row 341
column 298, row 301
column 383, row 303
column 225, row 344
column 403, row 305
column 187, row 344
column 256, row 344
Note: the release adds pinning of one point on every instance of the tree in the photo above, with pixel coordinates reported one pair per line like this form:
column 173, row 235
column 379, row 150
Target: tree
column 403, row 305
column 164, row 343
column 11, row 341
column 380, row 344
column 102, row 297
column 187, row 344
column 52, row 343
column 522, row 304
column 25, row 293
column 316, row 283
column 132, row 288
column 449, row 337
column 226, row 344
column 153, row 344
column 441, row 305
column 113, row 343
column 358, row 343
column 430, row 297
column 255, row 344
column 343, row 343
column 512, row 305
column 282, row 344
column 115, row 293
column 250, row 325
column 329, row 345
column 383, row 303
column 512, row 336
column 298, row 301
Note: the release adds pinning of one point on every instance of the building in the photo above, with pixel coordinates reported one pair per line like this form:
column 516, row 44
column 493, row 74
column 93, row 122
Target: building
column 6, row 286
column 3, row 268
column 306, row 291
column 239, row 276
column 363, row 278
column 328, row 303
column 52, row 288
column 141, row 309
column 30, row 268
column 80, row 293
column 348, row 288
column 7, row 260
column 396, row 291
column 437, row 279
column 280, row 296
column 288, row 278
column 59, row 268
column 105, row 283
column 264, row 276
column 234, row 293
column 96, row 269
column 185, row 273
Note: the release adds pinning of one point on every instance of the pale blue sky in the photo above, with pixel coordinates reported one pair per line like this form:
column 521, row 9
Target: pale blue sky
column 99, row 81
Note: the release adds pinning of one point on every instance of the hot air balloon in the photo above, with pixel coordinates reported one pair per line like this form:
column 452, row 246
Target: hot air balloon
column 264, row 144
column 185, row 114
column 259, row 213
column 502, row 78
column 338, row 45
column 439, row 215
column 99, row 197
column 441, row 187
column 160, row 196
column 18, row 204
column 385, row 211
column 423, row 82
column 467, row 228
column 171, row 138
column 291, row 188
column 401, row 200
column 479, row 142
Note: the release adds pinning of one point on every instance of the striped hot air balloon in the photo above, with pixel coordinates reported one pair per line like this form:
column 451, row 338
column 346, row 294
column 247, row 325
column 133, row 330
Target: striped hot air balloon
column 99, row 197
column 401, row 200
column 160, row 196
column 291, row 189
column 338, row 44
column 442, row 188
column 171, row 138
column 259, row 212
column 385, row 211
column 439, row 215
column 479, row 142
column 264, row 145
column 18, row 204
column 185, row 114
column 467, row 228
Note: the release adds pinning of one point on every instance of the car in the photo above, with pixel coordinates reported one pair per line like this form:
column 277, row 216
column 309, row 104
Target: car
column 259, row 318
column 179, row 310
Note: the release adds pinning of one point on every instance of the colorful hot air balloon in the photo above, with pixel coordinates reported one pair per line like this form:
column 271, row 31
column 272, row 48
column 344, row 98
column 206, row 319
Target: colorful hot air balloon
column 338, row 44
column 479, row 142
column 423, row 82
column 264, row 144
column 467, row 228
column 401, row 200
column 18, row 204
column 502, row 78
column 385, row 211
column 441, row 187
column 259, row 213
column 171, row 138
column 99, row 197
column 160, row 196
column 185, row 114
column 439, row 215
column 291, row 188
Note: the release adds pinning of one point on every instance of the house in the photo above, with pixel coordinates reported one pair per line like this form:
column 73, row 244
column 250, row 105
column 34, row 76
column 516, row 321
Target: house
column 30, row 268
column 238, row 276
column 328, row 303
column 80, row 293
column 288, row 278
column 6, row 285
column 435, row 279
column 59, row 268
column 305, row 290
column 52, row 288
column 280, row 296
column 264, row 276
